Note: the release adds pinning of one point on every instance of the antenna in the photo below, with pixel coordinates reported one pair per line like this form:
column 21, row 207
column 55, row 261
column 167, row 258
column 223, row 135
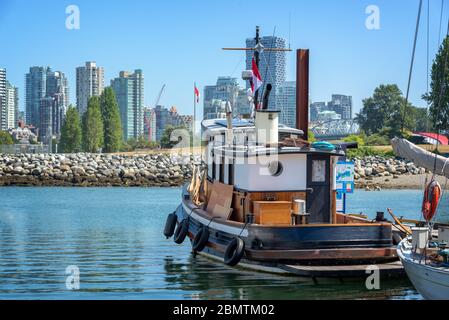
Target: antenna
column 289, row 27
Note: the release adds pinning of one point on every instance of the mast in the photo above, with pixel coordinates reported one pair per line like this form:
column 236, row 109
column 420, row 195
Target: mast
column 258, row 49
column 257, row 59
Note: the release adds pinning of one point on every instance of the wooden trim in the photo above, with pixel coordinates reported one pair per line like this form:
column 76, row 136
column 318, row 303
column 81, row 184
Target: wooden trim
column 330, row 225
column 334, row 207
column 323, row 254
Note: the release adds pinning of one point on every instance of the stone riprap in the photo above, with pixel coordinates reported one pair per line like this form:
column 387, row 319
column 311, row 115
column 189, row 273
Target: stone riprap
column 369, row 169
column 84, row 169
column 158, row 170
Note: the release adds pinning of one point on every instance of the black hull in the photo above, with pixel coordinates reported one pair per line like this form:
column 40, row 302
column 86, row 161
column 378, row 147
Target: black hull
column 286, row 249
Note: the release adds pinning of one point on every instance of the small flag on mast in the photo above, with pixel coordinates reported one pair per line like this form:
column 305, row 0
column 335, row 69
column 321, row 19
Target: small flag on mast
column 257, row 79
column 197, row 94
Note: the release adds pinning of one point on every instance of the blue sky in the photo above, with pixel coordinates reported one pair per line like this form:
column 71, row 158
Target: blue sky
column 179, row 42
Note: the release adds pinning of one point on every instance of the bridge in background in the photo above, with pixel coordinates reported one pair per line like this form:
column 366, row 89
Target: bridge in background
column 334, row 129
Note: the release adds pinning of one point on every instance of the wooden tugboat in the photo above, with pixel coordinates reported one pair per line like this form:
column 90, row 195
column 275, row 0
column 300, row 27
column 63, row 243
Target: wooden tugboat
column 266, row 199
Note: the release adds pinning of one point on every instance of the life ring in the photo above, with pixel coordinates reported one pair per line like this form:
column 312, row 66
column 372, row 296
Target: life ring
column 181, row 231
column 432, row 195
column 170, row 225
column 201, row 239
column 234, row 252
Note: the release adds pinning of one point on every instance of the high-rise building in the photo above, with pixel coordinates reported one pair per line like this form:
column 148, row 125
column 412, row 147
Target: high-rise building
column 327, row 116
column 12, row 106
column 272, row 65
column 46, row 119
column 57, row 84
column 170, row 117
column 89, row 83
column 128, row 90
column 226, row 90
column 209, row 92
column 243, row 106
column 315, row 109
column 342, row 105
column 53, row 106
column 286, row 103
column 35, row 90
column 149, row 116
column 3, row 105
column 162, row 117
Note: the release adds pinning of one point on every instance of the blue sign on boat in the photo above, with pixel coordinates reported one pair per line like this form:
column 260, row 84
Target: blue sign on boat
column 344, row 177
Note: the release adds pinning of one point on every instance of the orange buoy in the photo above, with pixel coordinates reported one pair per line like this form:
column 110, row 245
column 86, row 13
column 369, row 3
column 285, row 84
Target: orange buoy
column 432, row 195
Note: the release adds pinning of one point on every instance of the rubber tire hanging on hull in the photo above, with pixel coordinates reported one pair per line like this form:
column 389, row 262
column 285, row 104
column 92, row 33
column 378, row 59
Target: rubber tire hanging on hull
column 201, row 239
column 234, row 252
column 170, row 225
column 181, row 231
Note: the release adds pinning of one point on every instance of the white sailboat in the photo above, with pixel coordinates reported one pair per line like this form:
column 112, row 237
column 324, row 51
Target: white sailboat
column 429, row 277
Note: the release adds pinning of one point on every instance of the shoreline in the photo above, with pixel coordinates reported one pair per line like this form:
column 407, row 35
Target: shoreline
column 171, row 170
column 403, row 182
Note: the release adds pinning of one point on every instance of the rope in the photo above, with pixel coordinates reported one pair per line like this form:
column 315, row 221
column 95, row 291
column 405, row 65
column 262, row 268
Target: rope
column 440, row 97
column 441, row 23
column 412, row 63
column 244, row 227
column 428, row 56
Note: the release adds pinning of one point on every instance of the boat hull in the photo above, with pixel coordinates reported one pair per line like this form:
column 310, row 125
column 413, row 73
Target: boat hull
column 431, row 282
column 296, row 249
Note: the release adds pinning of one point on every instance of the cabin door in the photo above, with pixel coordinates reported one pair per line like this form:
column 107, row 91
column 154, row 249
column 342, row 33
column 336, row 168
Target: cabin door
column 318, row 184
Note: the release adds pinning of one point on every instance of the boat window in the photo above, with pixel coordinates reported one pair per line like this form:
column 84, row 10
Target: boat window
column 319, row 171
column 231, row 174
column 213, row 167
column 222, row 168
column 275, row 168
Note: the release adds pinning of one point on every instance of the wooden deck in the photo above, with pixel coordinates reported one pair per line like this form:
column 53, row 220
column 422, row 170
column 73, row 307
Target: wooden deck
column 392, row 269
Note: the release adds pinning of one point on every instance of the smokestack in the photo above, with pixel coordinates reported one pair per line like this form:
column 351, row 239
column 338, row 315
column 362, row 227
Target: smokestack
column 266, row 96
column 229, row 135
column 302, row 91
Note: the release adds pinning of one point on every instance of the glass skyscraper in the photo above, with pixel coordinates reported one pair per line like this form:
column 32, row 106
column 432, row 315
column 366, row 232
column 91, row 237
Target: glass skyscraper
column 286, row 103
column 128, row 90
column 272, row 65
column 35, row 90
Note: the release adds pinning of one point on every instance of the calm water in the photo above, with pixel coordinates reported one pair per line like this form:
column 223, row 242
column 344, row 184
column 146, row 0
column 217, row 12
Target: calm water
column 114, row 237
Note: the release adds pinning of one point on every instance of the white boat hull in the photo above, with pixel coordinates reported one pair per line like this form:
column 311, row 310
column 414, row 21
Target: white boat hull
column 431, row 282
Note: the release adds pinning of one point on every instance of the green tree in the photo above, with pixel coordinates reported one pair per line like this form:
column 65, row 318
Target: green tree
column 360, row 139
column 438, row 97
column 422, row 121
column 71, row 133
column 93, row 126
column 112, row 126
column 6, row 138
column 385, row 111
column 181, row 139
column 311, row 136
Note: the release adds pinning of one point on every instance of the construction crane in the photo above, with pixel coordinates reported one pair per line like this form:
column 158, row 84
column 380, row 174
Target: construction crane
column 159, row 96
column 148, row 119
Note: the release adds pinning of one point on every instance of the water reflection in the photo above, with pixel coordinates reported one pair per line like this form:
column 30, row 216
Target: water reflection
column 114, row 237
column 208, row 279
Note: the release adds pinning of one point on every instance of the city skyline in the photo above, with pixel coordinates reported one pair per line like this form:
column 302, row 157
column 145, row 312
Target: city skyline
column 346, row 57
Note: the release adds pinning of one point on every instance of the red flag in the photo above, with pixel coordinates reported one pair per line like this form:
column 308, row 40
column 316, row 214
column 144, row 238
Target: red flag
column 257, row 79
column 197, row 94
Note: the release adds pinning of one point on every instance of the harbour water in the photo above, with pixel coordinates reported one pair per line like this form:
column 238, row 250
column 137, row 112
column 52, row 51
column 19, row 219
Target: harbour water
column 114, row 237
